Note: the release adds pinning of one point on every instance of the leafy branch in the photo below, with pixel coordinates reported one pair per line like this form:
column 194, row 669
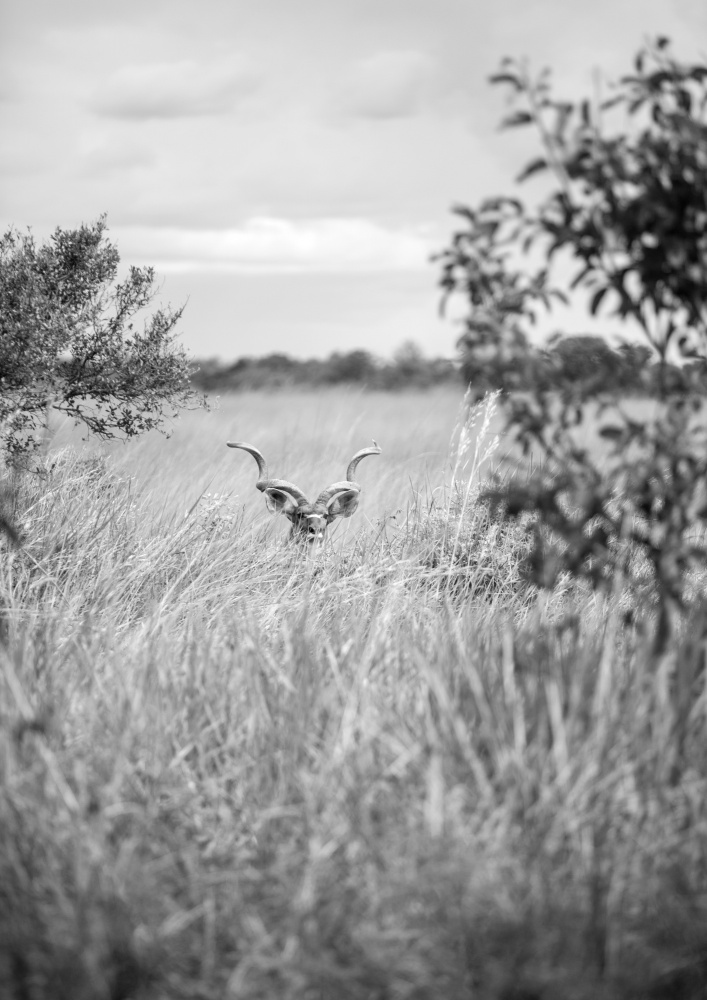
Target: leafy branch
column 630, row 208
column 71, row 340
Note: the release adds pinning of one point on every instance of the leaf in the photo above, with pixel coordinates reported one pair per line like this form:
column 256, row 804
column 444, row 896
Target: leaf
column 596, row 300
column 516, row 119
column 656, row 80
column 684, row 100
column 534, row 167
column 581, row 275
column 611, row 433
column 497, row 204
column 528, row 242
column 506, row 78
column 611, row 102
column 465, row 212
column 565, row 110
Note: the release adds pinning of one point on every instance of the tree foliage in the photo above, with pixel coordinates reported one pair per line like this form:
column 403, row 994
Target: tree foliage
column 71, row 340
column 630, row 207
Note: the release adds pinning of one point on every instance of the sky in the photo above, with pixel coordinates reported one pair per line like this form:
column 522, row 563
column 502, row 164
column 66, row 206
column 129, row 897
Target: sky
column 288, row 167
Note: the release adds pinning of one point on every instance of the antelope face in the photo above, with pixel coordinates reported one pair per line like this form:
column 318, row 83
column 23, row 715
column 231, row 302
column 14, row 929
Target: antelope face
column 309, row 520
column 308, row 528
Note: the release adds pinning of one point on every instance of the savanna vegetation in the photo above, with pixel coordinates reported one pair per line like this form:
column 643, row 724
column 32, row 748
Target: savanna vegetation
column 460, row 751
column 567, row 359
column 408, row 368
column 75, row 340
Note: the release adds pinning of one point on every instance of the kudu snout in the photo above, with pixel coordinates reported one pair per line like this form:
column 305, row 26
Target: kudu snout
column 309, row 519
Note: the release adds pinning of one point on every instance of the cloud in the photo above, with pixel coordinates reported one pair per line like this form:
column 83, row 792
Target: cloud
column 182, row 89
column 107, row 155
column 277, row 246
column 388, row 85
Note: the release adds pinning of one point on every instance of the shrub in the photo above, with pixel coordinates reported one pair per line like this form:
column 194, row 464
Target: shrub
column 630, row 208
column 69, row 340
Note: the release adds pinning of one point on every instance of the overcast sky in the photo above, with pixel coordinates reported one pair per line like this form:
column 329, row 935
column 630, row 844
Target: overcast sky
column 288, row 166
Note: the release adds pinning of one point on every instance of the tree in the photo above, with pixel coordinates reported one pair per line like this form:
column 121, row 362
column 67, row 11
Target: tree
column 587, row 357
column 631, row 210
column 70, row 340
column 355, row 366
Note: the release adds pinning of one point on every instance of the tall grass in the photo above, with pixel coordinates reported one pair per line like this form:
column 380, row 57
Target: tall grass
column 391, row 771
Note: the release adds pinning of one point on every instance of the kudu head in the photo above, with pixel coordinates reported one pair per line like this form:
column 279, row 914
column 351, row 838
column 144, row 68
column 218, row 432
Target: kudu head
column 309, row 520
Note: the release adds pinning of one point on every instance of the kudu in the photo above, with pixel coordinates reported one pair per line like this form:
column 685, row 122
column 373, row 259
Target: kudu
column 309, row 520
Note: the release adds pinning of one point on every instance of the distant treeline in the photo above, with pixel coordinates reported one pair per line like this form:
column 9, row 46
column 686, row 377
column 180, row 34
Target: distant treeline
column 578, row 359
column 408, row 369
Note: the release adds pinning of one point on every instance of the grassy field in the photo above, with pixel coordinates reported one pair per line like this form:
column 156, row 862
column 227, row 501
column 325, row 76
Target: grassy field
column 307, row 438
column 391, row 772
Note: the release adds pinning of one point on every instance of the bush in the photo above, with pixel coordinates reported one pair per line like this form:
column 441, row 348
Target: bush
column 69, row 341
column 631, row 210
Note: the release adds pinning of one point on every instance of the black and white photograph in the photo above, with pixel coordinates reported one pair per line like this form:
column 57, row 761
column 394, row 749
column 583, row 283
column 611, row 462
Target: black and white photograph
column 353, row 500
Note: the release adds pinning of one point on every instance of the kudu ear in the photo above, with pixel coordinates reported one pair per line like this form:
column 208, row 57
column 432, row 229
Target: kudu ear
column 280, row 501
column 342, row 503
